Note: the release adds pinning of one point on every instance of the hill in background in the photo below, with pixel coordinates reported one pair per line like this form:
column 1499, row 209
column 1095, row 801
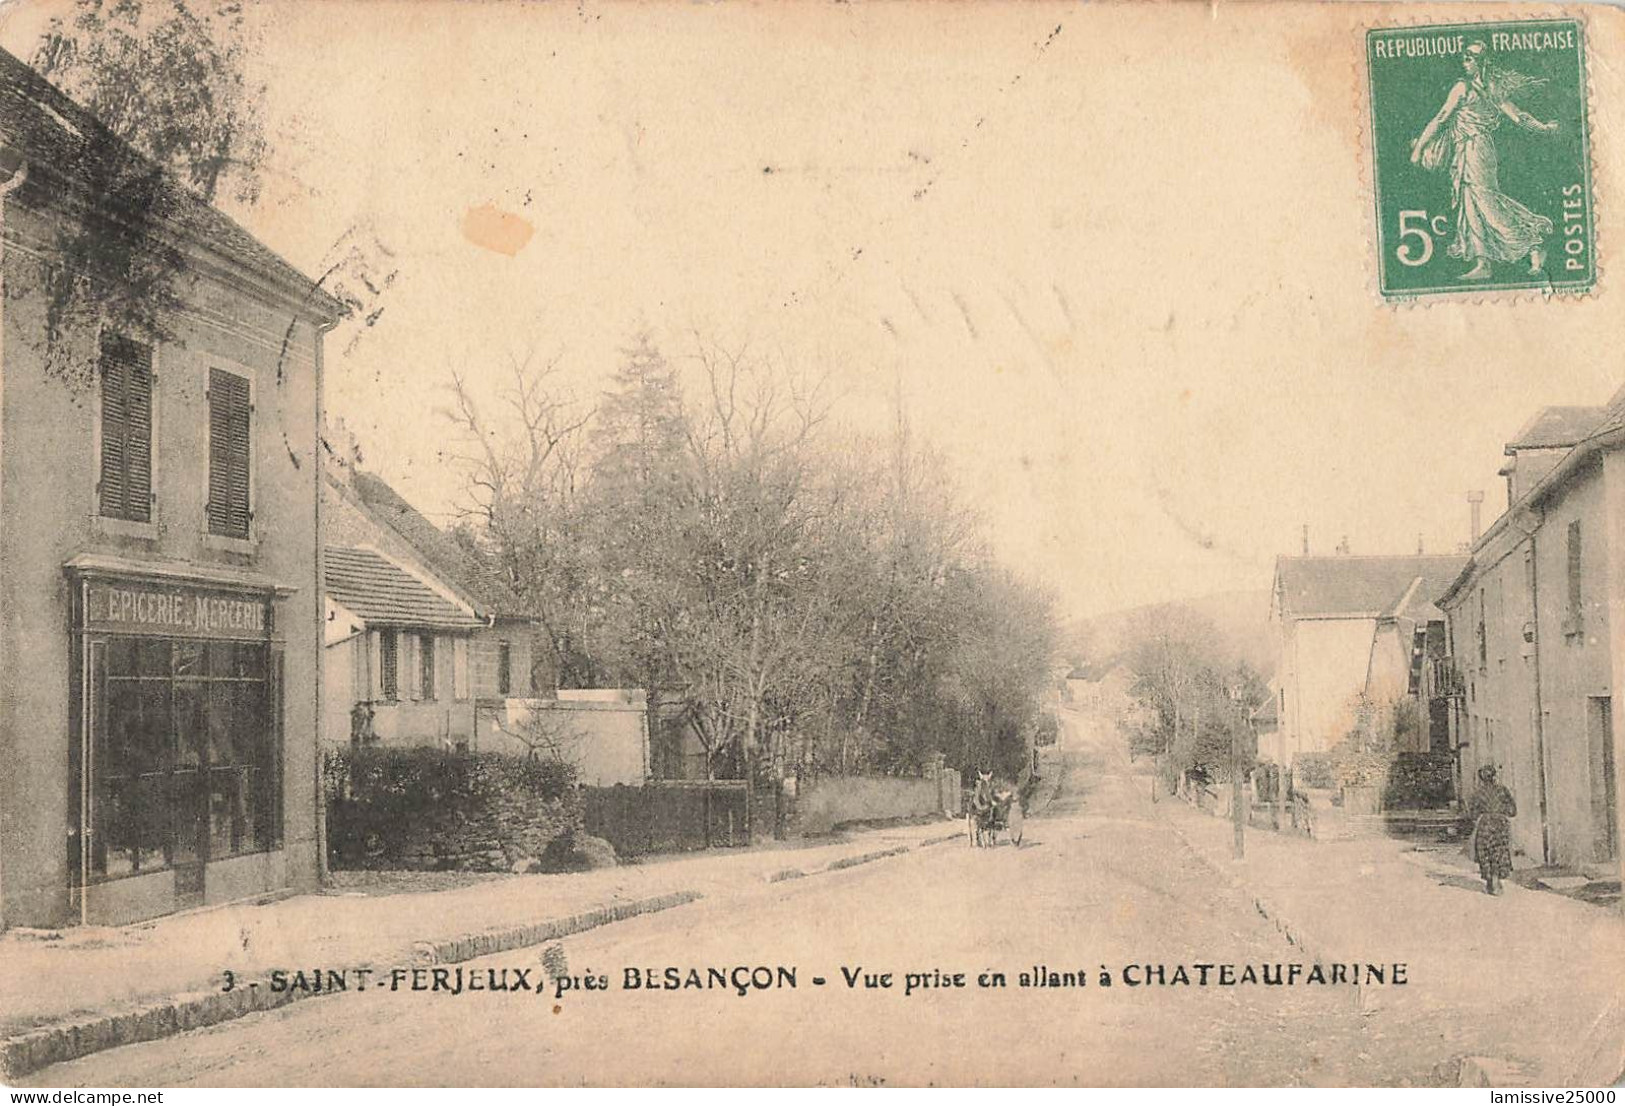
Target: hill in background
column 1240, row 617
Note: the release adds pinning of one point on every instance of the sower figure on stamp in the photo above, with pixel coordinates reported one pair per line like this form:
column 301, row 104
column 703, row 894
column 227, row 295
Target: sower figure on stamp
column 1491, row 811
column 1490, row 225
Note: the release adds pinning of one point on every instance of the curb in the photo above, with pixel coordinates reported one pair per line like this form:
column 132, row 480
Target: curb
column 865, row 858
column 53, row 1044
column 1266, row 909
column 785, row 874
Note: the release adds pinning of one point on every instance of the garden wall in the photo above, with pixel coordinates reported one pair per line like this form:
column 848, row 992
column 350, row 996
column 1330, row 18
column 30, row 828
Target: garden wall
column 836, row 800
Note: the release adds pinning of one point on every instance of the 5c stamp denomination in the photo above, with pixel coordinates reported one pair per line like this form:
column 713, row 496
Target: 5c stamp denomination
column 1481, row 160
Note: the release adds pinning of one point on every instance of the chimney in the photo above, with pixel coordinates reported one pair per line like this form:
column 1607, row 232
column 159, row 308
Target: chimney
column 1475, row 502
column 1306, row 539
column 343, row 448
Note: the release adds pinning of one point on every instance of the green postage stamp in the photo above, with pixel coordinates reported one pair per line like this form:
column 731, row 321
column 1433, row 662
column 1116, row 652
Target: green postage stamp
column 1481, row 160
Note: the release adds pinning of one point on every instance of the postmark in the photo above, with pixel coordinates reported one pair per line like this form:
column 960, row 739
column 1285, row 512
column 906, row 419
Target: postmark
column 1481, row 162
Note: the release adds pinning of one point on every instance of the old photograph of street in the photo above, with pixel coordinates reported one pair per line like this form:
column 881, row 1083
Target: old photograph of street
column 811, row 545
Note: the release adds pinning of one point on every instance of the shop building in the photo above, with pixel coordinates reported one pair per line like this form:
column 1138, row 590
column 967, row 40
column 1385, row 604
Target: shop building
column 160, row 560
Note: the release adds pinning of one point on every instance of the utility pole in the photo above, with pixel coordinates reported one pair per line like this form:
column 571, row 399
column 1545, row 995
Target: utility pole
column 1238, row 812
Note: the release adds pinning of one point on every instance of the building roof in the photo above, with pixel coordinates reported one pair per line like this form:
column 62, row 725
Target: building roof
column 59, row 140
column 449, row 561
column 1363, row 587
column 1094, row 671
column 1606, row 434
column 1557, row 428
column 1266, row 713
column 381, row 592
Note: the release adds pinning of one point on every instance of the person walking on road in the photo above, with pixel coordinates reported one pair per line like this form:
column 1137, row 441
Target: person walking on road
column 1491, row 811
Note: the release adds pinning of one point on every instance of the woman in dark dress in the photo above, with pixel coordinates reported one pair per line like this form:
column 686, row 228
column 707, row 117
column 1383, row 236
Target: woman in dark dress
column 1491, row 811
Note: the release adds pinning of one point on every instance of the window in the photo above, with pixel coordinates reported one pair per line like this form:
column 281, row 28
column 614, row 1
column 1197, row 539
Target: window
column 388, row 668
column 1483, row 633
column 229, row 410
column 124, row 489
column 1574, row 569
column 426, row 666
column 504, row 669
column 187, row 753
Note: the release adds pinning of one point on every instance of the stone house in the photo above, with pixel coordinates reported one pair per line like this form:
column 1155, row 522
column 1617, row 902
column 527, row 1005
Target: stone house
column 160, row 648
column 1537, row 637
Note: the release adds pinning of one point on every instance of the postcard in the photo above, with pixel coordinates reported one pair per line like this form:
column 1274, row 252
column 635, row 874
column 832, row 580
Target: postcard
column 811, row 544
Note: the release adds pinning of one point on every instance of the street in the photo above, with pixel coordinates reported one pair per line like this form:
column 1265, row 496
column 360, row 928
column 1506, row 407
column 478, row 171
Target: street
column 1099, row 882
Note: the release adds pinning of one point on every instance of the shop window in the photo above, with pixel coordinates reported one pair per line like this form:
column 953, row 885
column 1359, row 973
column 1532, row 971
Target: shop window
column 124, row 485
column 388, row 666
column 186, row 764
column 229, row 453
column 504, row 669
column 426, row 666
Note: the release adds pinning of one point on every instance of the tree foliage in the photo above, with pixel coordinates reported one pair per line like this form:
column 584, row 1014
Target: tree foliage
column 1197, row 696
column 179, row 124
column 820, row 604
column 167, row 82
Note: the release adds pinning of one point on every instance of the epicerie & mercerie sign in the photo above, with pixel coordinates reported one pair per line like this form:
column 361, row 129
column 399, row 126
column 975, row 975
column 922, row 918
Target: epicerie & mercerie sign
column 122, row 607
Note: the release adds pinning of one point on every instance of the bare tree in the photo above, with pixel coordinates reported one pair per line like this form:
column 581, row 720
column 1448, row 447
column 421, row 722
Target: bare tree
column 523, row 468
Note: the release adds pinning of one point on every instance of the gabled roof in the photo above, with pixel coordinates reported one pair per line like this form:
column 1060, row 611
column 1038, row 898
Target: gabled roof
column 59, row 140
column 1363, row 587
column 1557, row 428
column 448, row 560
column 381, row 592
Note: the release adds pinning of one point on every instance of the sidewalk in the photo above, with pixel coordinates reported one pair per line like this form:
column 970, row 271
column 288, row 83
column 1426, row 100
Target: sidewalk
column 1525, row 986
column 92, row 973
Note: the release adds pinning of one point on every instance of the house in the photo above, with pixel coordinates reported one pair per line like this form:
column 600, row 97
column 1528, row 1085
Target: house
column 159, row 527
column 1103, row 689
column 425, row 645
column 1352, row 630
column 396, row 655
column 1265, row 721
column 1537, row 637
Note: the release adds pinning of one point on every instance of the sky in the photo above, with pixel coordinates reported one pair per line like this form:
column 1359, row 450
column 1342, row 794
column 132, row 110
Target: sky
column 1118, row 260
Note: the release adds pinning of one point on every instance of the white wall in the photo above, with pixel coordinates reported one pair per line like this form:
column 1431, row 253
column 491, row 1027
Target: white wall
column 1332, row 659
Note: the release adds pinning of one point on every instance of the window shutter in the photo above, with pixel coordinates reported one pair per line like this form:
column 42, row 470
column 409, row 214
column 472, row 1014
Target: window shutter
column 229, row 419
column 407, row 668
column 426, row 682
column 389, row 666
column 138, row 439
column 1575, row 568
column 375, row 667
column 459, row 668
column 125, row 490
column 111, row 491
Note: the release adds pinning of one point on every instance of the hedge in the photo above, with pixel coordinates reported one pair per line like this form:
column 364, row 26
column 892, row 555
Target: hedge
column 430, row 808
